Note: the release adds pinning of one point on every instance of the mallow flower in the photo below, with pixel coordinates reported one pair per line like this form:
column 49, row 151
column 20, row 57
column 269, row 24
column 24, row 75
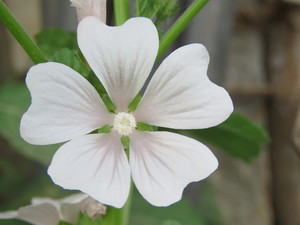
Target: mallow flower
column 47, row 211
column 66, row 108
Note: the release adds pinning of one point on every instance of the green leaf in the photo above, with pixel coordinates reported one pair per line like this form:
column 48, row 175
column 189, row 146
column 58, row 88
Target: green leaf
column 238, row 136
column 84, row 219
column 51, row 40
column 72, row 59
column 179, row 213
column 157, row 10
column 14, row 101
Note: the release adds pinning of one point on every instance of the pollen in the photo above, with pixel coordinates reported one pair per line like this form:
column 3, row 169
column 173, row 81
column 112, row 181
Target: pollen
column 124, row 123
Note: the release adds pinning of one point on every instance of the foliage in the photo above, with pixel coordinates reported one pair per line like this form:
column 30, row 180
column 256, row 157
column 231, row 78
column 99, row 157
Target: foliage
column 238, row 136
column 181, row 213
column 14, row 101
column 157, row 10
column 51, row 40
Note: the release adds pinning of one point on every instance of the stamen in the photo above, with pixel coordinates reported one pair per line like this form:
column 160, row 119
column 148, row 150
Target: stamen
column 124, row 123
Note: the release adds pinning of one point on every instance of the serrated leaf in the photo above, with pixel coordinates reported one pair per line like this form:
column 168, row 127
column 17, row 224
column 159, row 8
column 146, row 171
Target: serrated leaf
column 157, row 10
column 14, row 101
column 238, row 136
column 70, row 58
column 51, row 40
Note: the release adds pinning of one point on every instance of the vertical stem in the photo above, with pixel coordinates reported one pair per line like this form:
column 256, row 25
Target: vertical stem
column 118, row 216
column 121, row 10
column 180, row 25
column 20, row 34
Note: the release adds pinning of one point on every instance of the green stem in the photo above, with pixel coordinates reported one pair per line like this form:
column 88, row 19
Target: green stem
column 118, row 216
column 121, row 10
column 180, row 25
column 20, row 34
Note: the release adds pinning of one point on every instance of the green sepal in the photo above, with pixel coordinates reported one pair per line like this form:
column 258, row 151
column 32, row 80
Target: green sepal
column 126, row 144
column 105, row 129
column 94, row 80
column 145, row 127
column 134, row 103
column 108, row 103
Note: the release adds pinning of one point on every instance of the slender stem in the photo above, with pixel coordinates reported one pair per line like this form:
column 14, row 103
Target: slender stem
column 20, row 34
column 180, row 25
column 118, row 216
column 121, row 10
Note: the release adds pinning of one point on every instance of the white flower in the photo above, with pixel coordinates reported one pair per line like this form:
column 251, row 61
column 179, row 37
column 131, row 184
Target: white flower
column 66, row 107
column 96, row 8
column 46, row 211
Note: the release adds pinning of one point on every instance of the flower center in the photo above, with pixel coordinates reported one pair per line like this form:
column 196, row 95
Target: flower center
column 124, row 123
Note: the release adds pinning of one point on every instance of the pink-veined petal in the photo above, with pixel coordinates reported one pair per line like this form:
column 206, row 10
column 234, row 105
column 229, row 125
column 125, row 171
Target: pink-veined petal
column 122, row 57
column 163, row 163
column 181, row 96
column 95, row 164
column 96, row 8
column 64, row 105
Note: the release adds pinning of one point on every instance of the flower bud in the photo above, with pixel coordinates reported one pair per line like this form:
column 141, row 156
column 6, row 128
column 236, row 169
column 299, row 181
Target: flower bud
column 95, row 209
column 96, row 8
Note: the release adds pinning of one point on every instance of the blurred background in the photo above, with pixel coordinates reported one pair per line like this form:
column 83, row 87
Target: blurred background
column 255, row 54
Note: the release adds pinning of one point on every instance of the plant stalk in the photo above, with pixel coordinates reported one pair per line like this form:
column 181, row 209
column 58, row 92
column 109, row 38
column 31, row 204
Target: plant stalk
column 20, row 34
column 121, row 11
column 177, row 28
column 118, row 216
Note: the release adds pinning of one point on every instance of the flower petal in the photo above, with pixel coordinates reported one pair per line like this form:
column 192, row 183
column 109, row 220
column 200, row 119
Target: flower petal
column 122, row 57
column 42, row 200
column 181, row 96
column 97, row 165
column 69, row 207
column 8, row 215
column 163, row 163
column 96, row 8
column 41, row 214
column 64, row 105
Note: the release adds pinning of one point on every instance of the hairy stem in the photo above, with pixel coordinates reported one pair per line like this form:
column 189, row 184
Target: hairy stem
column 180, row 25
column 20, row 34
